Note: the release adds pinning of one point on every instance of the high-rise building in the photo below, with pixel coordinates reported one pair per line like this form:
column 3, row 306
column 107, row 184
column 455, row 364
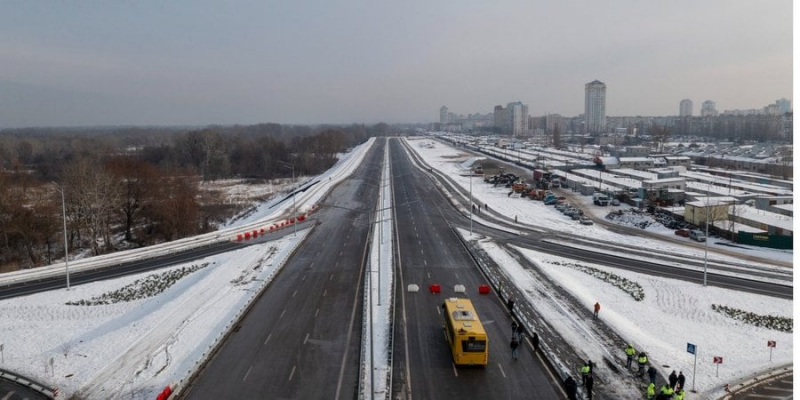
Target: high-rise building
column 686, row 109
column 517, row 118
column 709, row 109
column 499, row 116
column 784, row 106
column 443, row 115
column 595, row 108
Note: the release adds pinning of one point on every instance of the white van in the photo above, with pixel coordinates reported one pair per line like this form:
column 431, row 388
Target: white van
column 697, row 235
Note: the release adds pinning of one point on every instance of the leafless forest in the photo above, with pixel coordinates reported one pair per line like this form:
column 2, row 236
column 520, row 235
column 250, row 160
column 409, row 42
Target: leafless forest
column 140, row 184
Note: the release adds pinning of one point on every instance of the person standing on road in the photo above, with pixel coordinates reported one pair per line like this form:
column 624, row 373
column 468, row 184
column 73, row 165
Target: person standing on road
column 630, row 352
column 651, row 391
column 642, row 363
column 673, row 380
column 589, row 384
column 520, row 332
column 681, row 380
column 651, row 373
column 585, row 370
column 513, row 329
column 596, row 309
column 535, row 341
column 572, row 388
column 514, row 345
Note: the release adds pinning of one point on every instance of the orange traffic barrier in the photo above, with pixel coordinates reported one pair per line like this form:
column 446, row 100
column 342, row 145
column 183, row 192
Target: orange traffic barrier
column 239, row 237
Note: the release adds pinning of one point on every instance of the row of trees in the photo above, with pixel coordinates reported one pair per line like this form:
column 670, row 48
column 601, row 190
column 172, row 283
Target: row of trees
column 140, row 184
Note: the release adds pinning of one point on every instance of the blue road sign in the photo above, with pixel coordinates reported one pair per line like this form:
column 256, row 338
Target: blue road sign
column 691, row 348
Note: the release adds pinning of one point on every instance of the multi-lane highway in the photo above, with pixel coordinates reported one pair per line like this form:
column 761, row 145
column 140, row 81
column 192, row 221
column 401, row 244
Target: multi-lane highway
column 302, row 337
column 430, row 252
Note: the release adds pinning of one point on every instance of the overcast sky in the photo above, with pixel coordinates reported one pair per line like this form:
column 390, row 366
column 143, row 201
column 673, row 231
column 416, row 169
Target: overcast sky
column 198, row 62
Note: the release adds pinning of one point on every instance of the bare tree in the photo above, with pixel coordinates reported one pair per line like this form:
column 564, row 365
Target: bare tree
column 95, row 196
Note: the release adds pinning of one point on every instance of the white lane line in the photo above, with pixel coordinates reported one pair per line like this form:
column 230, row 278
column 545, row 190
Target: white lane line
column 325, row 292
column 304, row 278
column 292, row 374
column 439, row 310
column 331, row 278
column 456, row 276
column 429, row 275
column 248, row 373
column 268, row 338
column 295, row 292
column 454, row 369
column 422, row 251
column 306, row 339
column 284, row 312
column 8, row 396
column 426, row 262
column 311, row 265
column 316, row 313
column 501, row 370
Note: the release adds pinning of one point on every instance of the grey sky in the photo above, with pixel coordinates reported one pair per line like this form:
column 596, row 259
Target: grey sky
column 199, row 62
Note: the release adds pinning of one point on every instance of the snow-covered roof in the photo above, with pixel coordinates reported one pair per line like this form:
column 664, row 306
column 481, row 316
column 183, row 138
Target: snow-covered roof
column 765, row 217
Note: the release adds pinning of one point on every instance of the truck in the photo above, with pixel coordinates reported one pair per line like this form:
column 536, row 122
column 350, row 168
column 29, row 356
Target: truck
column 600, row 199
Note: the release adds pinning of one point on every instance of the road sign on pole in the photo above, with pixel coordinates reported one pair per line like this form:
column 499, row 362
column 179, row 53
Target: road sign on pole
column 770, row 344
column 718, row 361
column 692, row 349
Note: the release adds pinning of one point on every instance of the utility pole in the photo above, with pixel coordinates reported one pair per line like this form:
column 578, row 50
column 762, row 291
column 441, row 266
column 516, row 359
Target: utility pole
column 66, row 249
column 294, row 193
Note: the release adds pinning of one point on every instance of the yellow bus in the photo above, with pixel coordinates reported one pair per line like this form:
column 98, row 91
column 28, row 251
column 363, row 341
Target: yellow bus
column 464, row 333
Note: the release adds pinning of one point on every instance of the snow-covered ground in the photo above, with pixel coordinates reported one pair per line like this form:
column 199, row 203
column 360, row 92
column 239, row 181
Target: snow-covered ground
column 133, row 349
column 673, row 312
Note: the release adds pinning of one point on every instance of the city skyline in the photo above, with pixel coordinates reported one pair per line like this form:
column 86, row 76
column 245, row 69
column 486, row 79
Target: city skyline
column 200, row 62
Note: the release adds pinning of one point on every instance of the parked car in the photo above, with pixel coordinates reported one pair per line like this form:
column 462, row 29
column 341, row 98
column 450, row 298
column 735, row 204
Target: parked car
column 575, row 216
column 586, row 221
column 682, row 232
column 697, row 235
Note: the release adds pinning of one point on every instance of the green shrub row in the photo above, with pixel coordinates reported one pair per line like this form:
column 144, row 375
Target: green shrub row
column 767, row 321
column 632, row 288
column 141, row 288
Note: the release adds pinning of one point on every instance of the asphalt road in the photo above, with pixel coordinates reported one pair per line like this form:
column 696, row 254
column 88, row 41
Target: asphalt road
column 301, row 339
column 12, row 391
column 429, row 252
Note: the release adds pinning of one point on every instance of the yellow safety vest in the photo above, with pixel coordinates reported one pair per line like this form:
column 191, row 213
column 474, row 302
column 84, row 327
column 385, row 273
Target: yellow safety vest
column 630, row 351
column 585, row 370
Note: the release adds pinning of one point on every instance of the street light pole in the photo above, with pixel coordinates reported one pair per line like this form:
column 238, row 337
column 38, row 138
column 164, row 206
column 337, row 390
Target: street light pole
column 705, row 262
column 471, row 204
column 66, row 249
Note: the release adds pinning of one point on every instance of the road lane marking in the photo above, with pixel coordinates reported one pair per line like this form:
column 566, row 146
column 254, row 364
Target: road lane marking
column 454, row 369
column 501, row 370
column 311, row 265
column 248, row 373
column 331, row 278
column 292, row 374
column 284, row 312
column 306, row 340
column 438, row 310
column 295, row 292
column 325, row 292
column 456, row 276
column 429, row 275
column 316, row 313
column 304, row 278
column 268, row 338
column 8, row 396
